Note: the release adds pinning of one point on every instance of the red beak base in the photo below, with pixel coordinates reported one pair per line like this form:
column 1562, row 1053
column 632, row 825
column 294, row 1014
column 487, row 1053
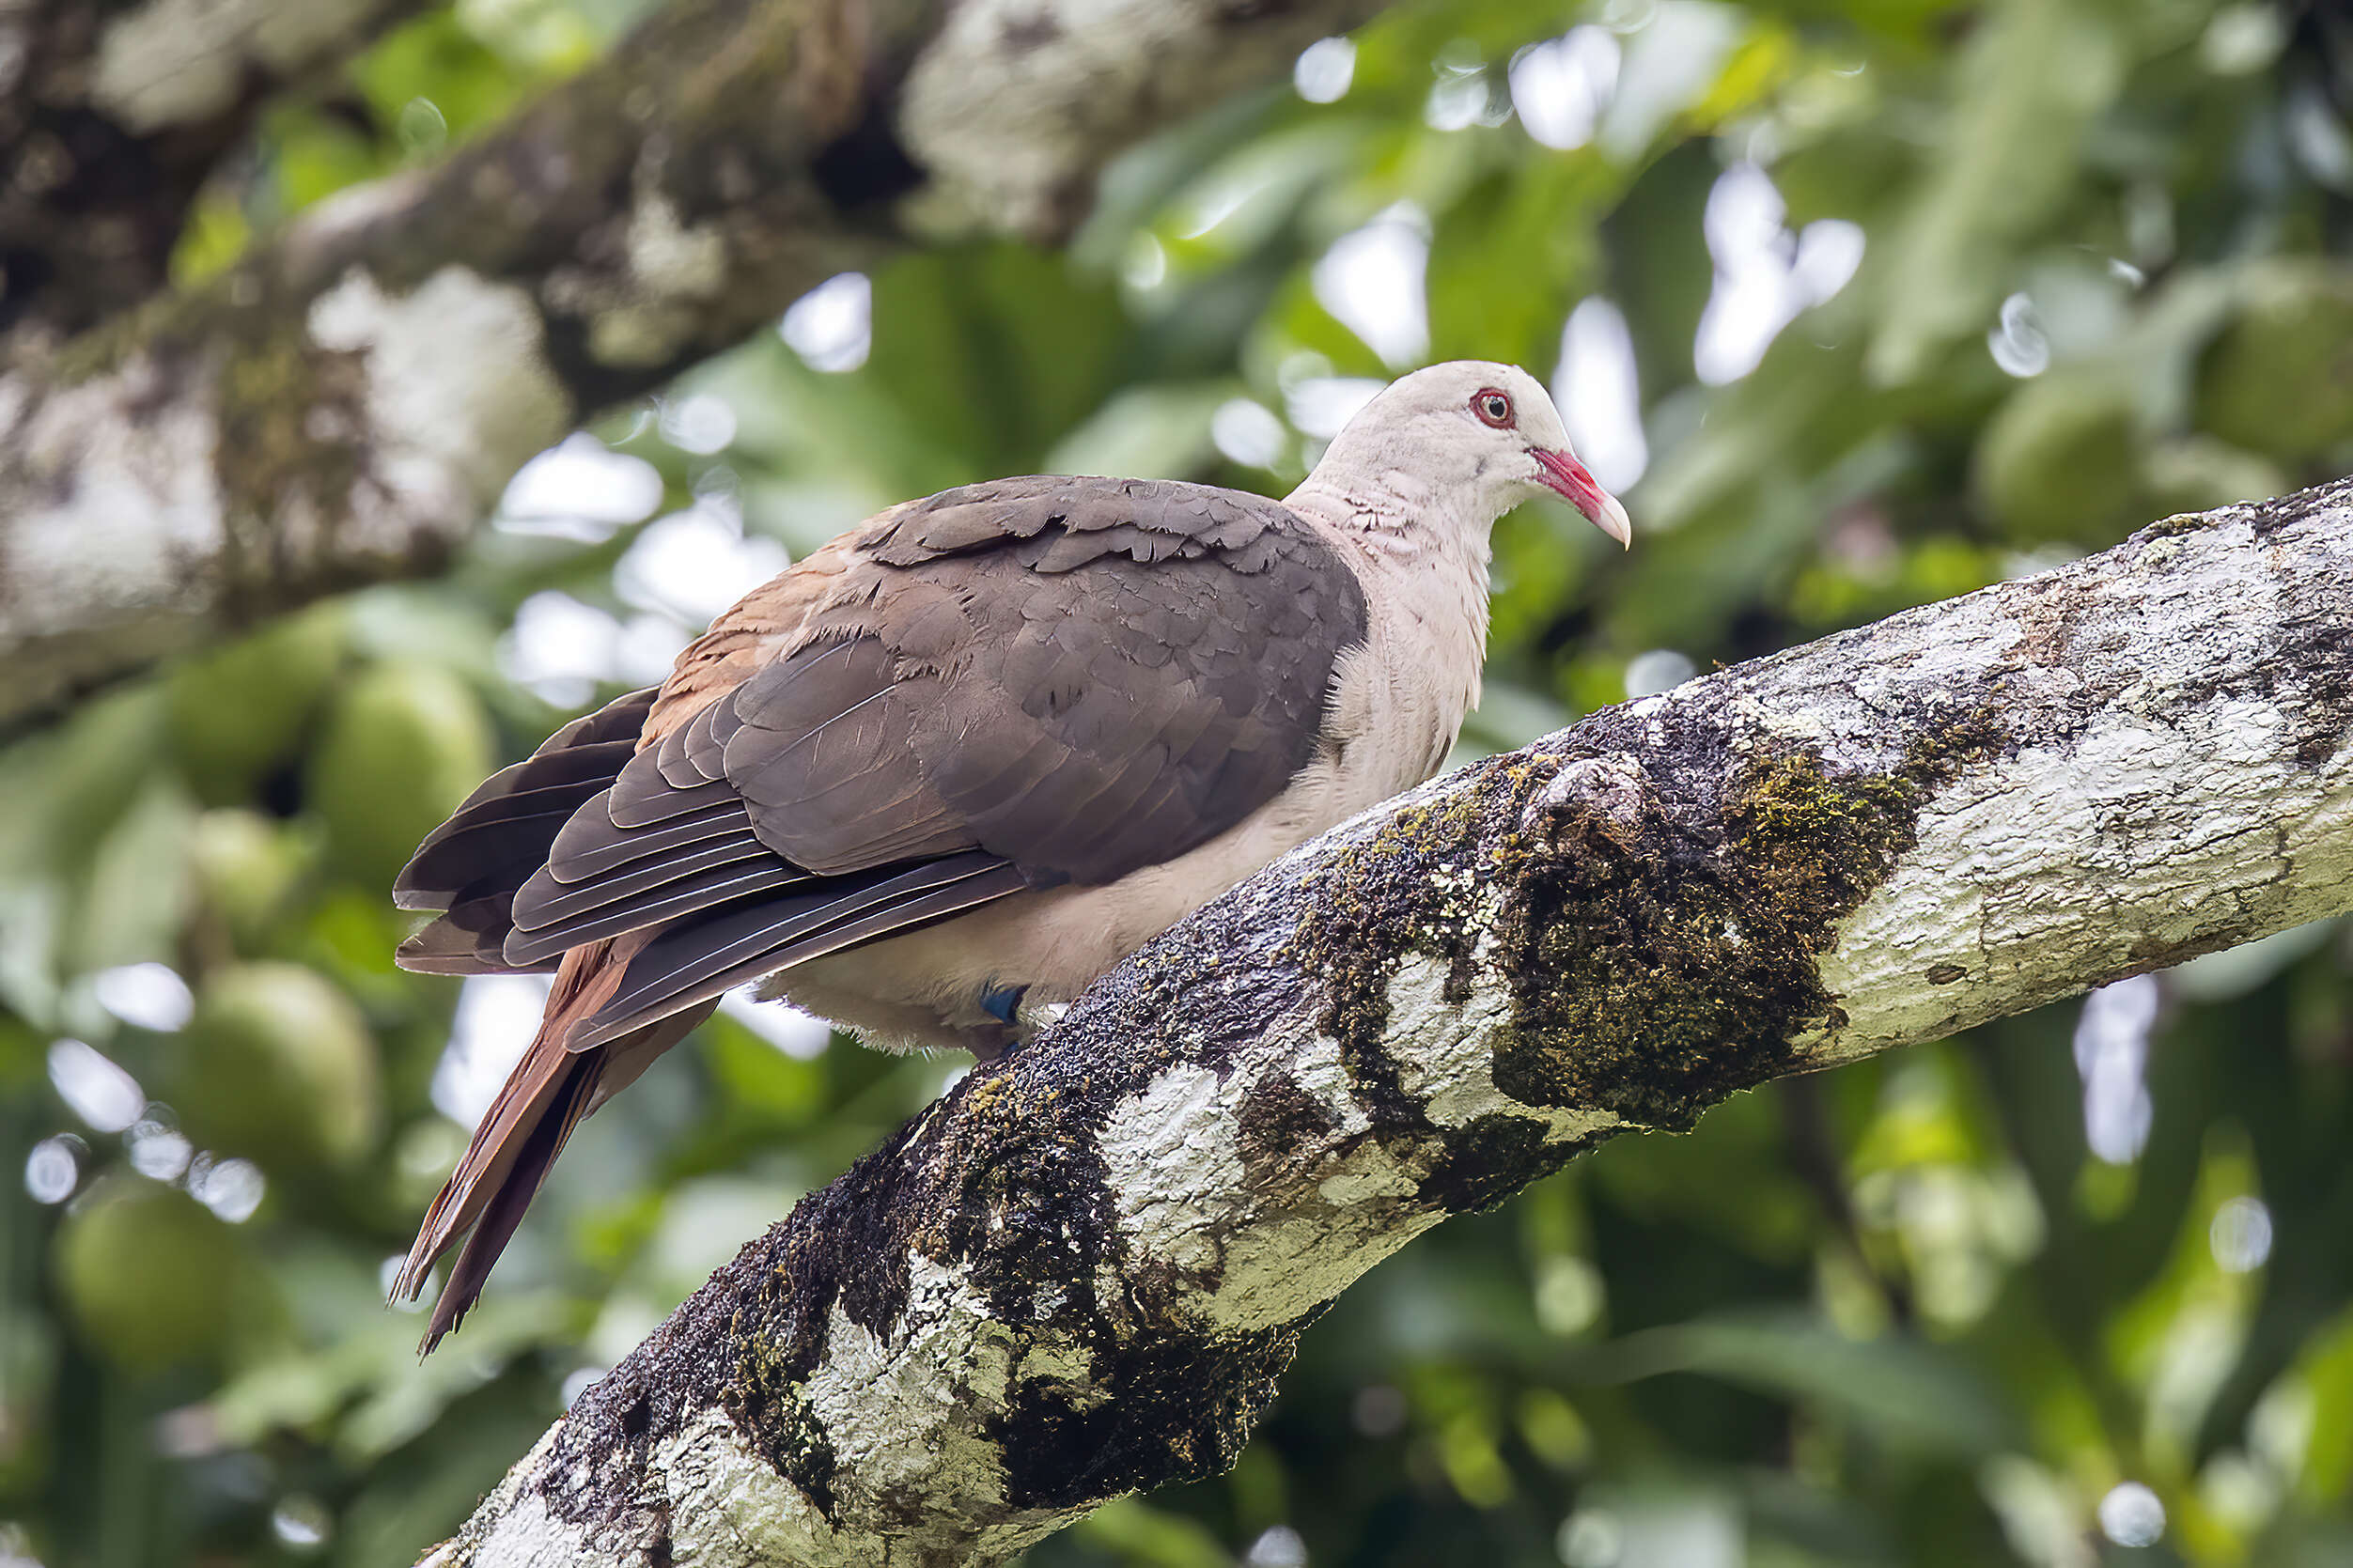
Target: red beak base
column 1565, row 475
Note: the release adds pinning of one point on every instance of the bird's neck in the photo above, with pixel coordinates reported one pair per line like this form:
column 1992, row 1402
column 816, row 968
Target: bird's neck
column 1435, row 556
column 1395, row 513
column 1392, row 518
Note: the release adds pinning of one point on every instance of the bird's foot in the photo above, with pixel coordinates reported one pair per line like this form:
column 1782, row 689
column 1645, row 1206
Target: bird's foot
column 1036, row 1020
column 1018, row 1021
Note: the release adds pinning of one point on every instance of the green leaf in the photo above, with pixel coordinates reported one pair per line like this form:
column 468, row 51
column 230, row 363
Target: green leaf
column 1902, row 1389
column 2028, row 84
column 995, row 352
column 1154, row 432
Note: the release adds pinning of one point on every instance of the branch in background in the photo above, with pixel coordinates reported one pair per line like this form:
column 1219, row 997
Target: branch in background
column 1080, row 1272
column 345, row 405
column 112, row 116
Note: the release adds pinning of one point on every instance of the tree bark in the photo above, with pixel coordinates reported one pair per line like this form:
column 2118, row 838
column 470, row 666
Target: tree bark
column 346, row 404
column 1080, row 1272
column 112, row 116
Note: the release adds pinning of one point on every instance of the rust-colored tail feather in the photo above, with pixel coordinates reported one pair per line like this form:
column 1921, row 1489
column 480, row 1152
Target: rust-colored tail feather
column 542, row 1100
column 503, row 1209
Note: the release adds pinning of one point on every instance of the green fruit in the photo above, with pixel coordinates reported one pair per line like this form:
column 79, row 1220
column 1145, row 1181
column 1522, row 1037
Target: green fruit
column 236, row 713
column 278, row 1065
column 2061, row 459
column 404, row 744
column 247, row 867
column 150, row 1276
column 2279, row 379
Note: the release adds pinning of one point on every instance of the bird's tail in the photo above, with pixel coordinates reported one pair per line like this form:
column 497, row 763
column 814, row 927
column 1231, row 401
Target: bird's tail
column 543, row 1099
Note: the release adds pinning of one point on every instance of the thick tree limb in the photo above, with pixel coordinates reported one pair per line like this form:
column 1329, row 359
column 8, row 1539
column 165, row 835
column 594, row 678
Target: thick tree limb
column 113, row 115
column 1080, row 1272
column 344, row 406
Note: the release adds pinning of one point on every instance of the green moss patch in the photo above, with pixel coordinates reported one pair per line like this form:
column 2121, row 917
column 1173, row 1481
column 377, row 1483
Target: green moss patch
column 1658, row 964
column 1651, row 977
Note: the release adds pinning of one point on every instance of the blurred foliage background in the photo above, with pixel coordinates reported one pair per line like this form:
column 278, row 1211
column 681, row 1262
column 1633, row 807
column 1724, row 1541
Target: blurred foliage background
column 1862, row 302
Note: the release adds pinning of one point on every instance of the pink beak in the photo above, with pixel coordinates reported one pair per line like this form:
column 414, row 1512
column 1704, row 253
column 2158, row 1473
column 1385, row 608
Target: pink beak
column 1568, row 475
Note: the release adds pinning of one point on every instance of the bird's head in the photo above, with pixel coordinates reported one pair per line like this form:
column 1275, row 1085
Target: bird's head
column 1480, row 426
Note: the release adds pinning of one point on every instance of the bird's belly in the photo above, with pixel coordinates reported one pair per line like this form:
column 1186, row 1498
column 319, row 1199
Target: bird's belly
column 924, row 989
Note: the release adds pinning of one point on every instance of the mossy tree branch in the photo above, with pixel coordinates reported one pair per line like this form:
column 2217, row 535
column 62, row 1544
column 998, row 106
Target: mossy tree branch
column 112, row 118
column 346, row 403
column 1080, row 1272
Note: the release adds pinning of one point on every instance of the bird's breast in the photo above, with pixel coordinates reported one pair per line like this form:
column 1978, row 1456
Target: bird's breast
column 1400, row 701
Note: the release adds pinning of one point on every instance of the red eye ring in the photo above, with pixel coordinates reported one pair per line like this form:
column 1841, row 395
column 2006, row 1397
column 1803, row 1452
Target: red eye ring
column 1493, row 406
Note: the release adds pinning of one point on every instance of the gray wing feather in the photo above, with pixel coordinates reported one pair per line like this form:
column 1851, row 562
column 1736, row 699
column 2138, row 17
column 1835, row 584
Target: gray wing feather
column 560, row 902
column 473, row 864
column 538, row 935
column 593, row 846
column 701, row 958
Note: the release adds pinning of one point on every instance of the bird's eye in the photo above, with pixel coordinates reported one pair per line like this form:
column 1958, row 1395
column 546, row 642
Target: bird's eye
column 1493, row 406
